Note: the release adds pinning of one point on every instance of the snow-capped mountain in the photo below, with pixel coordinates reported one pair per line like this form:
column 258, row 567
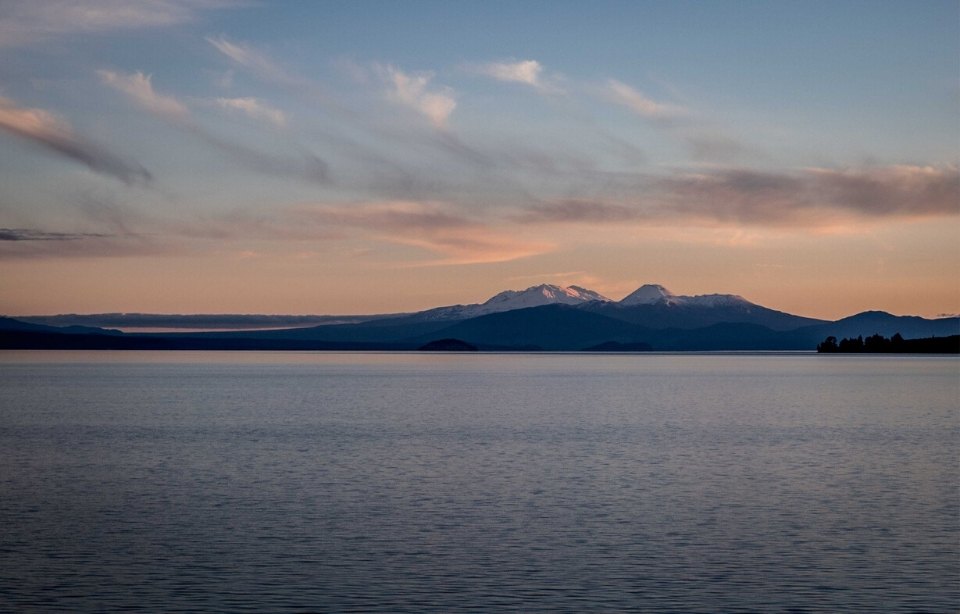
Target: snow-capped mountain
column 655, row 306
column 544, row 294
column 508, row 300
column 650, row 294
column 715, row 300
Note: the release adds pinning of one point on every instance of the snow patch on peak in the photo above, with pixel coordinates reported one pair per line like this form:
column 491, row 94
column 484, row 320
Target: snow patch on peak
column 584, row 294
column 717, row 300
column 544, row 294
column 651, row 294
column 549, row 294
column 647, row 294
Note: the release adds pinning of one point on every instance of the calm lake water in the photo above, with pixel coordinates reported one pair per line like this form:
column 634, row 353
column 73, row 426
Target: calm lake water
column 410, row 482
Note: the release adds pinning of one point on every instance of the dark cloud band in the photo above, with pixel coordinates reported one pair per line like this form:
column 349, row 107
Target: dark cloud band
column 807, row 198
column 29, row 234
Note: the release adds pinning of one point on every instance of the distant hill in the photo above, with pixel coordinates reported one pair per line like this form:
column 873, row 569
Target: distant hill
column 665, row 314
column 882, row 323
column 193, row 321
column 12, row 324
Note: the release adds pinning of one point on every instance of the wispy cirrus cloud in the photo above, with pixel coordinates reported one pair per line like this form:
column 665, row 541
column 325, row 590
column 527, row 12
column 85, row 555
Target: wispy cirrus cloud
column 260, row 64
column 24, row 22
column 527, row 72
column 254, row 108
column 139, row 88
column 46, row 130
column 705, row 141
column 640, row 103
column 413, row 91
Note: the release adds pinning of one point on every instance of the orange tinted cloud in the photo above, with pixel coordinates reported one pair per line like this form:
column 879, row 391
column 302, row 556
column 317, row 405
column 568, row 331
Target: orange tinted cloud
column 432, row 226
column 42, row 128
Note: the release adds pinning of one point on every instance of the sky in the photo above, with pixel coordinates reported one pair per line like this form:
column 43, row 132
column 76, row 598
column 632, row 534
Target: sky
column 236, row 156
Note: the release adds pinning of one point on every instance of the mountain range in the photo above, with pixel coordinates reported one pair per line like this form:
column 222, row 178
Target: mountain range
column 540, row 318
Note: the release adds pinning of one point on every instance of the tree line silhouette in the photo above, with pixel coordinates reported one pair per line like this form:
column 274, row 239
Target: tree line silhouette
column 878, row 344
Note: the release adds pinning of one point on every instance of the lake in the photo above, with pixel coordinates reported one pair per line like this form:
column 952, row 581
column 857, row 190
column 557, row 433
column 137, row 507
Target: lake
column 363, row 482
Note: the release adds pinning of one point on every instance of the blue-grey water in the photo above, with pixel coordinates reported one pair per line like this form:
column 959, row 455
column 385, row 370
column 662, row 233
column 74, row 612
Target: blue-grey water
column 409, row 482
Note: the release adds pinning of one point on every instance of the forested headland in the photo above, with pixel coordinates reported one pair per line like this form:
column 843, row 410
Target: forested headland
column 878, row 344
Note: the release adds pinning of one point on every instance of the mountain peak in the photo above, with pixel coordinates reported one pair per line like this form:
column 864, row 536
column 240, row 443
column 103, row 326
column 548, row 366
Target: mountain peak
column 652, row 294
column 508, row 300
column 544, row 294
column 647, row 294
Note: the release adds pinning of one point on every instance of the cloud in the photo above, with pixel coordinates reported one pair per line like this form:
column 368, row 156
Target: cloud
column 138, row 86
column 814, row 196
column 255, row 61
column 48, row 131
column 24, row 22
column 269, row 71
column 640, row 104
column 243, row 55
column 808, row 198
column 578, row 211
column 892, row 190
column 30, row 234
column 29, row 243
column 477, row 246
column 306, row 166
column 393, row 215
column 432, row 226
column 255, row 109
column 412, row 91
column 704, row 140
column 528, row 72
column 708, row 145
